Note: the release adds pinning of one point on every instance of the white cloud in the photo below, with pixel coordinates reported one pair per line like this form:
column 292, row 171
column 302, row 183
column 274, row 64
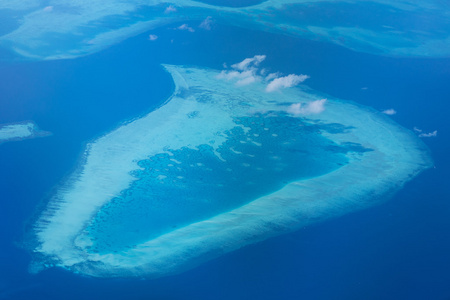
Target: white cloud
column 244, row 72
column 246, row 80
column 229, row 75
column 185, row 27
column 206, row 23
column 311, row 108
column 249, row 62
column 389, row 111
column 430, row 134
column 272, row 76
column 170, row 9
column 48, row 8
column 152, row 37
column 423, row 134
column 243, row 78
column 285, row 82
column 248, row 71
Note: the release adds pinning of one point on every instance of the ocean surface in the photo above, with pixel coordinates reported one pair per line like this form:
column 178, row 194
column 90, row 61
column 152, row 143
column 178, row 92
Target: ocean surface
column 397, row 249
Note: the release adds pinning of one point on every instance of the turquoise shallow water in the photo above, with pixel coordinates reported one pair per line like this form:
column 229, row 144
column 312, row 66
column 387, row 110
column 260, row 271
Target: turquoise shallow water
column 395, row 28
column 191, row 185
column 398, row 250
column 202, row 118
column 232, row 3
column 369, row 15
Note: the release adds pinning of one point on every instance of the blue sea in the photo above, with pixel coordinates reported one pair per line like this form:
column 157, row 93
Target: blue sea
column 398, row 249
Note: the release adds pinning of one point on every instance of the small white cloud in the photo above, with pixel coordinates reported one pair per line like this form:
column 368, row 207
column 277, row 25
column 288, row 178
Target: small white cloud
column 389, row 111
column 423, row 134
column 185, row 27
column 152, row 37
column 272, row 76
column 48, row 8
column 243, row 78
column 246, row 80
column 206, row 23
column 285, row 82
column 228, row 75
column 244, row 72
column 248, row 71
column 311, row 108
column 430, row 134
column 249, row 62
column 170, row 9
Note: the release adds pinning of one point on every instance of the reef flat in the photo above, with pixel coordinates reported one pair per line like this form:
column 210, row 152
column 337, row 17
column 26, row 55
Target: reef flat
column 20, row 131
column 336, row 157
column 70, row 29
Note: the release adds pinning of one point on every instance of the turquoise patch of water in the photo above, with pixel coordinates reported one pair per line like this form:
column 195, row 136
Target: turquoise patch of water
column 261, row 155
column 232, row 3
column 373, row 16
column 9, row 20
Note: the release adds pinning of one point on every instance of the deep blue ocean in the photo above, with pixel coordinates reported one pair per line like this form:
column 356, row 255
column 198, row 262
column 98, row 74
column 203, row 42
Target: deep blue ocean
column 396, row 250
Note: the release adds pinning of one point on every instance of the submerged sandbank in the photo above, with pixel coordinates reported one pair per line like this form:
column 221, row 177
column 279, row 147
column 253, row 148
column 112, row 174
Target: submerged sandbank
column 380, row 156
column 63, row 29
